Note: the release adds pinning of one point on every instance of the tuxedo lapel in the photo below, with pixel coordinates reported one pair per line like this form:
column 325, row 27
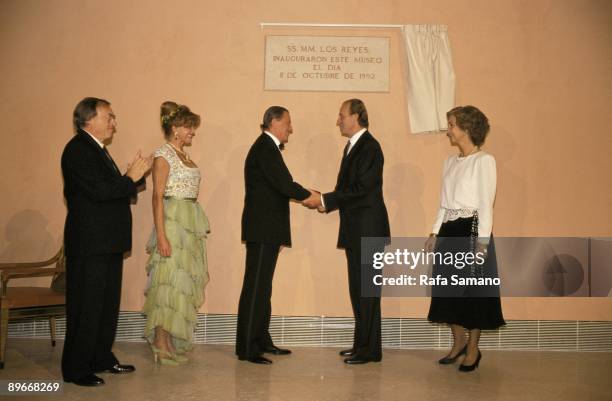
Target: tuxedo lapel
column 357, row 147
column 102, row 152
column 343, row 162
column 110, row 161
column 266, row 138
column 355, row 150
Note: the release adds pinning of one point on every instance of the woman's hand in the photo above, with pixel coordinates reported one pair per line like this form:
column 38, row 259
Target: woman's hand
column 163, row 246
column 430, row 244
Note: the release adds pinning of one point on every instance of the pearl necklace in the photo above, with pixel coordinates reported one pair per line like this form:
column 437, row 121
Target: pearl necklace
column 182, row 152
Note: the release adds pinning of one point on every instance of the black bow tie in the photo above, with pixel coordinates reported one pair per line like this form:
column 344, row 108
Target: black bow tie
column 281, row 146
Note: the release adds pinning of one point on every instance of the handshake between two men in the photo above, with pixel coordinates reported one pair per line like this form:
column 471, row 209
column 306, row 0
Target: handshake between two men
column 314, row 201
column 266, row 227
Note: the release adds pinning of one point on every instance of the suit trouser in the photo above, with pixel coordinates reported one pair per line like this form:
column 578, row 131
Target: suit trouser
column 255, row 308
column 367, row 336
column 93, row 295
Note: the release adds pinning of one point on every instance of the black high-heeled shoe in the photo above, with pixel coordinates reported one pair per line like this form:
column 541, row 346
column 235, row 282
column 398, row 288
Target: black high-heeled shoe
column 469, row 368
column 447, row 360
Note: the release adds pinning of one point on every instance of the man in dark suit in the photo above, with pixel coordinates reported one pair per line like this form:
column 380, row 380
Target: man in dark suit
column 97, row 233
column 359, row 197
column 265, row 228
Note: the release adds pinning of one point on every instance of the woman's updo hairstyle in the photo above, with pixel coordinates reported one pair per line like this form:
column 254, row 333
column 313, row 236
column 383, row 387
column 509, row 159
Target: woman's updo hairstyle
column 177, row 115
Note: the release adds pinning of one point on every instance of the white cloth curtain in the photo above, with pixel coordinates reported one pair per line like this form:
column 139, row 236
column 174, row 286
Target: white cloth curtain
column 430, row 77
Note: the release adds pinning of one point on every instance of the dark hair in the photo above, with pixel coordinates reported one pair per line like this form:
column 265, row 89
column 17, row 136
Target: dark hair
column 472, row 121
column 177, row 115
column 356, row 106
column 85, row 110
column 272, row 113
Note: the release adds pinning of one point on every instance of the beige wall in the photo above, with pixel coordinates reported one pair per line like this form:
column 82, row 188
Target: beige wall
column 539, row 69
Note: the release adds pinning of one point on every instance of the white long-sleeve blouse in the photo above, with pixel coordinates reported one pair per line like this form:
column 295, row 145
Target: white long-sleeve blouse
column 468, row 185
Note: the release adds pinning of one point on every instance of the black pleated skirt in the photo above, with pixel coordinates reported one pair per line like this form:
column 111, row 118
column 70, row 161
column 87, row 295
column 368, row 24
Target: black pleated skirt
column 473, row 307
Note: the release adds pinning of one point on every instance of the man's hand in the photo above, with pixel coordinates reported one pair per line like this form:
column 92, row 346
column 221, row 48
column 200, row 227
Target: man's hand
column 139, row 167
column 313, row 201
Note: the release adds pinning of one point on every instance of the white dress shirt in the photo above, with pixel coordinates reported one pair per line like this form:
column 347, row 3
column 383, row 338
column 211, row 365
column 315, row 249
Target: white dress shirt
column 275, row 139
column 353, row 140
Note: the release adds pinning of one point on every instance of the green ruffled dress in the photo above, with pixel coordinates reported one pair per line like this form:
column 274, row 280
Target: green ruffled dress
column 176, row 283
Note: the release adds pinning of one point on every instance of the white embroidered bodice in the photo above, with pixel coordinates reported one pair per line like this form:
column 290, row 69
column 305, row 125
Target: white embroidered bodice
column 183, row 181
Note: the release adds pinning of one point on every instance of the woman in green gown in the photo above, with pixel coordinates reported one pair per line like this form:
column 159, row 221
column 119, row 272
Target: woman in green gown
column 177, row 266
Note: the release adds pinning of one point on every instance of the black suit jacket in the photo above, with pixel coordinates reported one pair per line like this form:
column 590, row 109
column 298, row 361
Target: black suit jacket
column 359, row 194
column 268, row 188
column 99, row 219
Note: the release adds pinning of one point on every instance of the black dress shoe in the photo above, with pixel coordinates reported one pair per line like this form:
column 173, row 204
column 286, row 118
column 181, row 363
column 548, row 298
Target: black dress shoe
column 347, row 352
column 257, row 359
column 469, row 368
column 273, row 349
column 87, row 381
column 358, row 360
column 118, row 369
column 447, row 360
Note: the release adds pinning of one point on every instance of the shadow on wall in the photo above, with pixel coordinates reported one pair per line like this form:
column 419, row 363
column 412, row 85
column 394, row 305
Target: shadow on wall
column 403, row 187
column 225, row 203
column 511, row 199
column 28, row 239
column 315, row 235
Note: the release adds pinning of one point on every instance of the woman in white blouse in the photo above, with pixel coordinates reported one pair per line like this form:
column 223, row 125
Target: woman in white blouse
column 464, row 224
column 177, row 266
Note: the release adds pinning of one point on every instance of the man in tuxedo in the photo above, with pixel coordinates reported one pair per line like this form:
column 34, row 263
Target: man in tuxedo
column 359, row 197
column 265, row 228
column 98, row 231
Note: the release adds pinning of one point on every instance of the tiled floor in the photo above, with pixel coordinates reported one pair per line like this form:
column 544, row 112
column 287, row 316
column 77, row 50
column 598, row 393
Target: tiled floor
column 319, row 374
